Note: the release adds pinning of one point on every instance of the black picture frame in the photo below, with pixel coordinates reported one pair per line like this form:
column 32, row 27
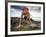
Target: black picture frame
column 6, row 18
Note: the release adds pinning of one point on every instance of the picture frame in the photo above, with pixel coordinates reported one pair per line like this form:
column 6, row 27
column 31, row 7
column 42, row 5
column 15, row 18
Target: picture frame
column 15, row 4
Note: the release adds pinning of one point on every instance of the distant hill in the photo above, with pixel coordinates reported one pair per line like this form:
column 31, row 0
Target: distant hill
column 17, row 20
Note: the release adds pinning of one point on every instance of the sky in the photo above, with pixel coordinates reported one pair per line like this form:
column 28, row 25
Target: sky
column 35, row 12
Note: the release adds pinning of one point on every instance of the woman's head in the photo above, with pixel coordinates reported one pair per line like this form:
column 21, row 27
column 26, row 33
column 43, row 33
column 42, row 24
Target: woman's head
column 25, row 9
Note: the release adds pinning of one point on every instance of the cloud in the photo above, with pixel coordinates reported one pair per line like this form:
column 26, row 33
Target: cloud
column 15, row 12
